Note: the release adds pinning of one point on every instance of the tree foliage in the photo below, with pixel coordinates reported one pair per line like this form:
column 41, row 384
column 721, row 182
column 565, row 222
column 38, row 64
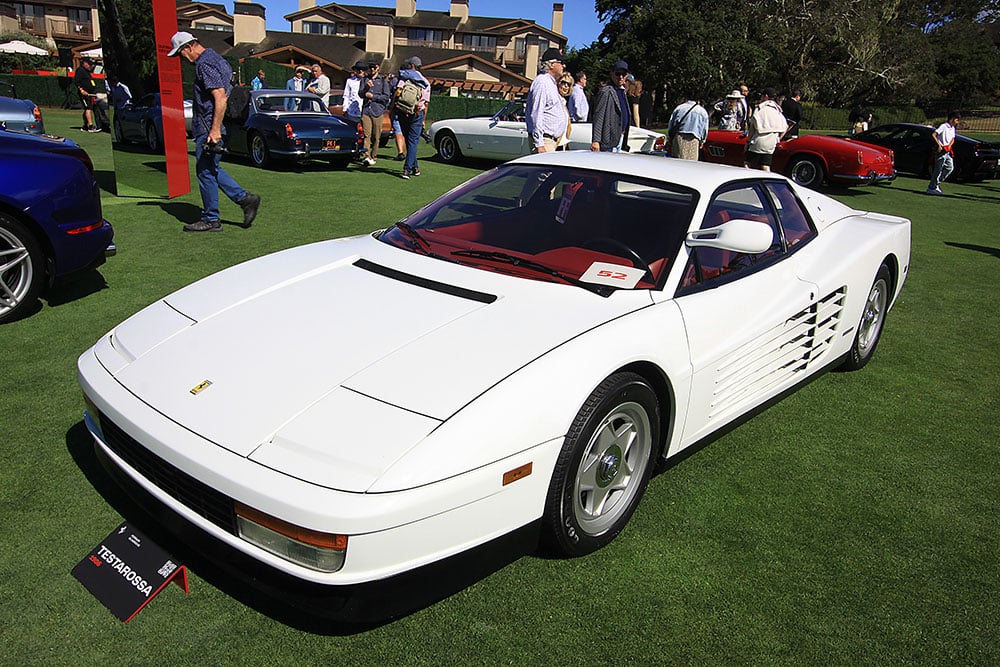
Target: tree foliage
column 838, row 52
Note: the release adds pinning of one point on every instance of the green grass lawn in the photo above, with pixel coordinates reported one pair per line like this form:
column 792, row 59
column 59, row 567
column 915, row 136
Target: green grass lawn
column 856, row 522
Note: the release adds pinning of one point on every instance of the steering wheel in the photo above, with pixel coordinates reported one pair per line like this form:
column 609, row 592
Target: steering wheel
column 614, row 244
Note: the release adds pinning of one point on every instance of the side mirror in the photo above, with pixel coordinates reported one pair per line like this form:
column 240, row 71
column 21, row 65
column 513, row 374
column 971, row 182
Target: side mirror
column 745, row 236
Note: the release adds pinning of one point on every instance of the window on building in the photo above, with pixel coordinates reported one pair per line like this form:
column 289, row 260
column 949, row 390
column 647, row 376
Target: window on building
column 479, row 42
column 424, row 35
column 319, row 28
column 213, row 26
column 78, row 15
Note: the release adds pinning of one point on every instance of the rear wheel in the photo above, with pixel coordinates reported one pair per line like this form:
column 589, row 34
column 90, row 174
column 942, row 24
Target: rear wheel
column 119, row 134
column 447, row 148
column 806, row 171
column 604, row 466
column 872, row 320
column 22, row 268
column 259, row 154
column 152, row 138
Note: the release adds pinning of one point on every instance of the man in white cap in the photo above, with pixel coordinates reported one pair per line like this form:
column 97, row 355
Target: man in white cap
column 545, row 109
column 212, row 84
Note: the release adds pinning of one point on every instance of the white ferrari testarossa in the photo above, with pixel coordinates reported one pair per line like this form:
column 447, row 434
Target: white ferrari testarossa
column 529, row 347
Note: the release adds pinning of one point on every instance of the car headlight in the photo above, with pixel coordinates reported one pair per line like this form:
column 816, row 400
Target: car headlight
column 323, row 552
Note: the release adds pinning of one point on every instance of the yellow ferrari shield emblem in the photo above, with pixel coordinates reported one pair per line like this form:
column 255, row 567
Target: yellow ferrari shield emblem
column 201, row 386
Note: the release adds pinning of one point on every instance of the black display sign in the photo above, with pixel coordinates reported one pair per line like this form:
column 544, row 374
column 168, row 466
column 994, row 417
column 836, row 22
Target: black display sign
column 127, row 570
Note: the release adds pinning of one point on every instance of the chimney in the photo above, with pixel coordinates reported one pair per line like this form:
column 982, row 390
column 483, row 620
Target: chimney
column 378, row 36
column 405, row 8
column 531, row 56
column 557, row 17
column 306, row 4
column 248, row 23
column 459, row 9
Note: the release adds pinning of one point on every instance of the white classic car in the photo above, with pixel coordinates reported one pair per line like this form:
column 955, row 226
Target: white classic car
column 504, row 136
column 524, row 351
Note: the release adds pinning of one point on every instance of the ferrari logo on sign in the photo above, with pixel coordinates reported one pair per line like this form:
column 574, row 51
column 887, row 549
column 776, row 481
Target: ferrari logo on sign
column 201, row 386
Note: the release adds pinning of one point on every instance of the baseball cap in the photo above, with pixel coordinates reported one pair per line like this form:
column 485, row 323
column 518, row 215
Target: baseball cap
column 552, row 54
column 179, row 40
column 620, row 66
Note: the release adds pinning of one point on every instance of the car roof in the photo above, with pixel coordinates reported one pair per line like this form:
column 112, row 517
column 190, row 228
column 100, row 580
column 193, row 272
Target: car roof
column 702, row 176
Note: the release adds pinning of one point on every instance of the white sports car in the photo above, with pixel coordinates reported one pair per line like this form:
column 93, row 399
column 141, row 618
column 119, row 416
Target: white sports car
column 504, row 136
column 525, row 350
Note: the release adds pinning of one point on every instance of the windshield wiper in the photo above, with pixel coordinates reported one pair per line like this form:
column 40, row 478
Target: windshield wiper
column 521, row 262
column 415, row 237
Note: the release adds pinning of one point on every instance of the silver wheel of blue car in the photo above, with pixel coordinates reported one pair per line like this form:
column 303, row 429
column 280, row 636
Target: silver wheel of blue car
column 806, row 171
column 259, row 154
column 872, row 320
column 604, row 466
column 21, row 268
column 447, row 148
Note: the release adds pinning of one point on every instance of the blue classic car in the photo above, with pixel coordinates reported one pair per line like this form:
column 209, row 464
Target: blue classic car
column 142, row 121
column 288, row 125
column 19, row 115
column 51, row 223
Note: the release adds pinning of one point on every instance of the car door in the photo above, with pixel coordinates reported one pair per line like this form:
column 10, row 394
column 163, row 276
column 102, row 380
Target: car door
column 751, row 322
column 505, row 135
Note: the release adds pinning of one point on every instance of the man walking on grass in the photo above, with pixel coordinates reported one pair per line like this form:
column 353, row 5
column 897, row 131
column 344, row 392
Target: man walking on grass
column 211, row 95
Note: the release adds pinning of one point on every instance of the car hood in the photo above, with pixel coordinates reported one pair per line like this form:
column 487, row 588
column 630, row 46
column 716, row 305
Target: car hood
column 240, row 356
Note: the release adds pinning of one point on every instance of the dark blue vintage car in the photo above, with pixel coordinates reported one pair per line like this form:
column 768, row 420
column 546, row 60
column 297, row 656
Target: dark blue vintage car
column 288, row 125
column 141, row 121
column 51, row 223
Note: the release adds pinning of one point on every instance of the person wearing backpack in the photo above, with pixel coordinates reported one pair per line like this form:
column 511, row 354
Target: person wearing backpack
column 212, row 84
column 413, row 92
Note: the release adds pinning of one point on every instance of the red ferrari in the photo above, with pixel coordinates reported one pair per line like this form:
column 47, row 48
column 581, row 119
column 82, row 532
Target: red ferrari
column 810, row 160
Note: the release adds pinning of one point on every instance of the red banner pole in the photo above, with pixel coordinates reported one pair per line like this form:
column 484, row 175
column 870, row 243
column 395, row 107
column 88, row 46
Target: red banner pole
column 171, row 99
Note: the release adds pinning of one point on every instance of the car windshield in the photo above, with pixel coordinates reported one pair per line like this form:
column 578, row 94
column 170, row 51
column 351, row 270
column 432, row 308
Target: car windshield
column 290, row 103
column 557, row 224
column 513, row 111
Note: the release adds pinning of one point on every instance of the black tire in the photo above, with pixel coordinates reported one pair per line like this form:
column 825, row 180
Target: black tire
column 806, row 171
column 119, row 134
column 447, row 148
column 22, row 280
column 152, row 138
column 603, row 468
column 872, row 321
column 257, row 149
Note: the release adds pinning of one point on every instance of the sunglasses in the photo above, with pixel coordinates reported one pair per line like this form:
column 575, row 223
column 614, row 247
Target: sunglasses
column 564, row 83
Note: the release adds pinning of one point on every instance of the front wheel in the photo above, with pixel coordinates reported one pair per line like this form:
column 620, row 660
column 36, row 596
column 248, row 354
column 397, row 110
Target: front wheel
column 22, row 269
column 152, row 138
column 604, row 466
column 872, row 320
column 447, row 148
column 260, row 156
column 806, row 171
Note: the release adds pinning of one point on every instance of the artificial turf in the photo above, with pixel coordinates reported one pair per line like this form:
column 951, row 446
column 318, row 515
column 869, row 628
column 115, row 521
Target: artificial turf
column 856, row 522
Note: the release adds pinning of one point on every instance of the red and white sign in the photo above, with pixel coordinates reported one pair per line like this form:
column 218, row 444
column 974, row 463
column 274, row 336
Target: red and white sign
column 615, row 275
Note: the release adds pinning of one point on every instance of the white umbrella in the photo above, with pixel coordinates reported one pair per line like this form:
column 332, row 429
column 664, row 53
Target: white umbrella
column 18, row 46
column 93, row 53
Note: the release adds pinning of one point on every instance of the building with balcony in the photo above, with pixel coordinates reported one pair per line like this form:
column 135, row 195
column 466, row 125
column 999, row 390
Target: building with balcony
column 63, row 23
column 462, row 54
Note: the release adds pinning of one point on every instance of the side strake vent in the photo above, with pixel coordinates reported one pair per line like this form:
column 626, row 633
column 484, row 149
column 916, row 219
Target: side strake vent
column 426, row 283
column 771, row 359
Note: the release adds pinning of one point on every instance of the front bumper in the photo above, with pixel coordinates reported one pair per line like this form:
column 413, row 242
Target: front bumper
column 389, row 533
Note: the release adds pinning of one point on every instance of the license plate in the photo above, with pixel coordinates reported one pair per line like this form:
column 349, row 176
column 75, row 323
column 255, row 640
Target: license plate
column 329, row 145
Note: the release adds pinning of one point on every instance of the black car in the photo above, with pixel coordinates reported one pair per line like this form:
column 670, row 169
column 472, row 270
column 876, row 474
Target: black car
column 915, row 150
column 288, row 125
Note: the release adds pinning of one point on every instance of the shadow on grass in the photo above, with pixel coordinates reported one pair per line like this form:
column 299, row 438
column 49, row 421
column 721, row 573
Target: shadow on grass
column 71, row 288
column 323, row 610
column 995, row 252
column 184, row 212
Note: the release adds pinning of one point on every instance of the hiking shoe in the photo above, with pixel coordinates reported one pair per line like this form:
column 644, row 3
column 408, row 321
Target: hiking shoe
column 415, row 172
column 250, row 204
column 406, row 173
column 400, row 157
column 369, row 161
column 204, row 226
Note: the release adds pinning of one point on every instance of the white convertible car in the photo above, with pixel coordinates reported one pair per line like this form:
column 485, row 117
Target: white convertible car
column 504, row 136
column 525, row 350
